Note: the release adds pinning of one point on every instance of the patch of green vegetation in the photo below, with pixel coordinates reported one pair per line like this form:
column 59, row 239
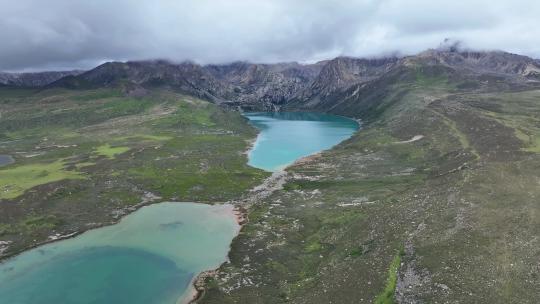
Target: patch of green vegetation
column 521, row 135
column 255, row 215
column 342, row 218
column 52, row 132
column 531, row 139
column 313, row 245
column 121, row 106
column 189, row 114
column 16, row 180
column 110, row 152
column 427, row 77
column 516, row 110
column 37, row 222
column 525, row 128
column 534, row 145
column 356, row 252
column 373, row 139
column 31, row 224
column 93, row 95
column 52, row 92
column 152, row 137
column 377, row 187
column 5, row 228
column 60, row 111
column 276, row 266
column 197, row 166
column 387, row 296
column 180, row 181
column 84, row 164
column 463, row 140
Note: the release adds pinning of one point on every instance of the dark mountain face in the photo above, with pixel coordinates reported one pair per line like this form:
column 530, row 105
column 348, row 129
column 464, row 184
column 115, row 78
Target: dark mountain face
column 33, row 79
column 343, row 72
column 240, row 83
column 269, row 84
column 186, row 77
column 323, row 85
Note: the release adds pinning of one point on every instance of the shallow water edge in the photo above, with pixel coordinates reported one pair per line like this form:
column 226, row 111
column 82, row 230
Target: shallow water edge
column 194, row 237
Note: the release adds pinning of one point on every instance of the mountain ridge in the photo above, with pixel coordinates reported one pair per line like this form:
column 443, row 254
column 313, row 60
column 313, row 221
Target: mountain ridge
column 259, row 86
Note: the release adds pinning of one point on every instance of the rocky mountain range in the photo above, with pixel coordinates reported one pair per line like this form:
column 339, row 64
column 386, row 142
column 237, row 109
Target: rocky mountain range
column 322, row 85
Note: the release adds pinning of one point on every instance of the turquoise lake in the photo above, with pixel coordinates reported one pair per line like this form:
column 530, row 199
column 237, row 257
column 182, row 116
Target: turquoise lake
column 287, row 136
column 151, row 256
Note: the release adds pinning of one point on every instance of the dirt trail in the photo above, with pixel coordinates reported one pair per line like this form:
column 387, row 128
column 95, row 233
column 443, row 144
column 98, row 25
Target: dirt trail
column 415, row 138
column 271, row 184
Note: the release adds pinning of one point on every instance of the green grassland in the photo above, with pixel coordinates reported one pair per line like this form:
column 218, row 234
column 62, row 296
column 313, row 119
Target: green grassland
column 15, row 181
column 110, row 152
column 83, row 158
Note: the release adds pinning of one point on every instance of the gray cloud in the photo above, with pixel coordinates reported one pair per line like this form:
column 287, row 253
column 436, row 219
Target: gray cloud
column 65, row 34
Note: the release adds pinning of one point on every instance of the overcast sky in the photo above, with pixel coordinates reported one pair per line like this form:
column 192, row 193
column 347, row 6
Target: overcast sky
column 67, row 34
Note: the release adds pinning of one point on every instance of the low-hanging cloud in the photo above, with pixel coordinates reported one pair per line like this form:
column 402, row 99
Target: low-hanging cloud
column 67, row 34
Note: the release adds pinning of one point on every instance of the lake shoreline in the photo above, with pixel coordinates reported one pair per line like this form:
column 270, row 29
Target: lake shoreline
column 227, row 211
column 74, row 234
column 198, row 284
column 285, row 137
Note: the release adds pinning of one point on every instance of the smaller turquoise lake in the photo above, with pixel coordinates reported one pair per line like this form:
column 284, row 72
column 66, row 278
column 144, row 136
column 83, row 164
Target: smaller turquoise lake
column 151, row 256
column 287, row 136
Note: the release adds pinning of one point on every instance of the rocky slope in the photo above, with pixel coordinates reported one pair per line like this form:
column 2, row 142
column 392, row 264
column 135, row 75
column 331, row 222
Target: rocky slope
column 341, row 73
column 270, row 84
